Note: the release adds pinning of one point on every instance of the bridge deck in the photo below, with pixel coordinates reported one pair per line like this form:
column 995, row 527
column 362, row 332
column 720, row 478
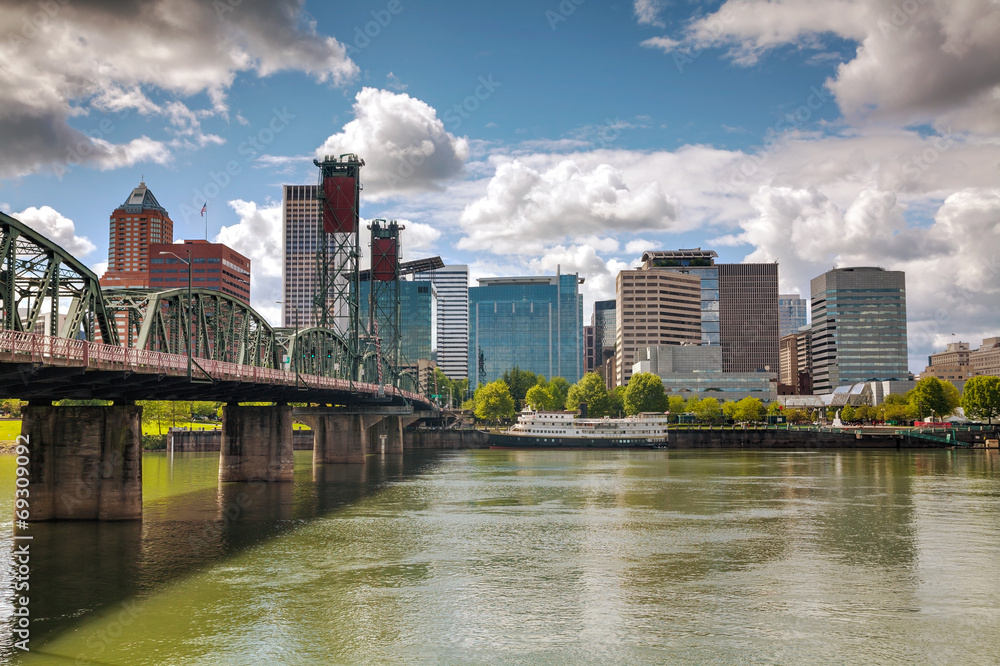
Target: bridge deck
column 36, row 366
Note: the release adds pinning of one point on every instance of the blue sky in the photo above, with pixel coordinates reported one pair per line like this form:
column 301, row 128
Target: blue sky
column 546, row 134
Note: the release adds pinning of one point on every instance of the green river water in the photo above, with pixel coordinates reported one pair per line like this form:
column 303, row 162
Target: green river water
column 486, row 557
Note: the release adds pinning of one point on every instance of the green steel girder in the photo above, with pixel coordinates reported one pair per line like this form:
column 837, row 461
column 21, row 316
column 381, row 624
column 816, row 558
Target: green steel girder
column 37, row 276
column 317, row 351
column 219, row 327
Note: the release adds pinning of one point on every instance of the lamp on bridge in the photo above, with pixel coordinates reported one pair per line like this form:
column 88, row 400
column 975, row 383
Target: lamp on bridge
column 190, row 309
column 295, row 351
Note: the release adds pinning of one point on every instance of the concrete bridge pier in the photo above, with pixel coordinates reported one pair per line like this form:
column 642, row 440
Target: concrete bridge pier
column 256, row 443
column 341, row 438
column 84, row 463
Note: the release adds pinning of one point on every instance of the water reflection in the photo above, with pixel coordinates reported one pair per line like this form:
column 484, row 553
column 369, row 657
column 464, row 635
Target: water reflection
column 591, row 557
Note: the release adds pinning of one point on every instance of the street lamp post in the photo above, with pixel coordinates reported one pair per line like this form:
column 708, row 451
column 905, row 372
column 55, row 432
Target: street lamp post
column 295, row 309
column 187, row 342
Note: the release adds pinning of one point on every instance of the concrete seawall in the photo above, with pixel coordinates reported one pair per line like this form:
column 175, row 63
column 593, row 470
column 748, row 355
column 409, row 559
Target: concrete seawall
column 192, row 441
column 423, row 440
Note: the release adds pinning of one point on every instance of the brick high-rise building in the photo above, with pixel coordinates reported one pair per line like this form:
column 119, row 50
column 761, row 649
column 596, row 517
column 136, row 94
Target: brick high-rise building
column 135, row 225
column 213, row 266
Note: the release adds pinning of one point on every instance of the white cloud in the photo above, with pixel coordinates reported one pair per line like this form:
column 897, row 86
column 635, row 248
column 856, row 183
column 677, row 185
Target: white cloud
column 648, row 12
column 916, row 62
column 525, row 209
column 404, row 144
column 96, row 61
column 258, row 236
column 57, row 228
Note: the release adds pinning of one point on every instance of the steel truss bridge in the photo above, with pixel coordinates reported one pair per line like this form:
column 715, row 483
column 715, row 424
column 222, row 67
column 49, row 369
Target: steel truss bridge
column 59, row 338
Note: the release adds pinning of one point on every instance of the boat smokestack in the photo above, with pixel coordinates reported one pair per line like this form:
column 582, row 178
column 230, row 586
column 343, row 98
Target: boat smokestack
column 583, row 410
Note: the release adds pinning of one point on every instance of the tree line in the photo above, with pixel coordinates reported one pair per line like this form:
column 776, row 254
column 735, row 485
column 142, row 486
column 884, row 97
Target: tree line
column 930, row 398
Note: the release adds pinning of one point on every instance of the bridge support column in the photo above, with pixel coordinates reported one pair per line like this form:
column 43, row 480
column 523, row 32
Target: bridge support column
column 256, row 443
column 85, row 463
column 392, row 429
column 341, row 438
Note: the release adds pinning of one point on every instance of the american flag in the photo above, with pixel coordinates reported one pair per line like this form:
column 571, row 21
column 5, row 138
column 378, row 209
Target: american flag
column 204, row 208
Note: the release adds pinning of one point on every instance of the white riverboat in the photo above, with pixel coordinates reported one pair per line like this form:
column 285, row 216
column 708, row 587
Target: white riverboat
column 563, row 430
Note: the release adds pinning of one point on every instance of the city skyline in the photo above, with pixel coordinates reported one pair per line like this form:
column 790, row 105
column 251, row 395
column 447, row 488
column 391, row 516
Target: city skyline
column 767, row 132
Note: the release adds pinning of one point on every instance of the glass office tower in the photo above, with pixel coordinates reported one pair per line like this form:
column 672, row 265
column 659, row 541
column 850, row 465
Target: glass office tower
column 533, row 323
column 792, row 314
column 417, row 322
column 858, row 327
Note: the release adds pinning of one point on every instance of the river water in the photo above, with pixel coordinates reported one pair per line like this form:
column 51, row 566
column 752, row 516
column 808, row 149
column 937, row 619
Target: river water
column 531, row 557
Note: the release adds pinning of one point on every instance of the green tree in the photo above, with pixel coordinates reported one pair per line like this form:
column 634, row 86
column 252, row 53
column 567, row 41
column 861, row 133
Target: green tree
column 930, row 396
column 708, row 410
column 895, row 399
column 540, row 397
column 616, row 401
column 12, row 407
column 494, row 402
column 591, row 390
column 848, row 414
column 729, row 410
column 559, row 388
column 899, row 413
column 676, row 405
column 796, row 415
column 518, row 382
column 774, row 409
column 645, row 393
column 866, row 413
column 750, row 409
column 981, row 398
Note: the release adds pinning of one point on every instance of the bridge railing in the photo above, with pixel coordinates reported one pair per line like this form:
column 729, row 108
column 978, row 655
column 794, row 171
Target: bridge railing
column 33, row 348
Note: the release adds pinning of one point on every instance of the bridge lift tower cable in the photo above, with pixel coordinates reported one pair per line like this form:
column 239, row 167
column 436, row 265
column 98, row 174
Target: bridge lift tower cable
column 384, row 296
column 335, row 303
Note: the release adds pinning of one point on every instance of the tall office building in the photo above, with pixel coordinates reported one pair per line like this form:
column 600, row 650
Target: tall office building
column 601, row 336
column 858, row 327
column 738, row 306
column 135, row 225
column 534, row 323
column 452, row 284
column 793, row 314
column 302, row 222
column 213, row 266
column 654, row 308
column 748, row 317
column 418, row 324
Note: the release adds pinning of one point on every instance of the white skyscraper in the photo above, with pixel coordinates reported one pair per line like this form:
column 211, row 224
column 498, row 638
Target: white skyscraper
column 301, row 223
column 452, row 284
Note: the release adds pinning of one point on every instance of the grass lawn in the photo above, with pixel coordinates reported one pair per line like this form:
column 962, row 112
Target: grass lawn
column 9, row 429
column 153, row 429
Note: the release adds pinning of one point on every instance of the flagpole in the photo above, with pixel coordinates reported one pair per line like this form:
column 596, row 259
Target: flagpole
column 206, row 222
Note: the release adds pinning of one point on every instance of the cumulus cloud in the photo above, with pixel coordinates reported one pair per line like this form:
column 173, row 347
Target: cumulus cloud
column 928, row 61
column 951, row 266
column 258, row 236
column 98, row 60
column 403, row 142
column 525, row 209
column 59, row 229
column 648, row 12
